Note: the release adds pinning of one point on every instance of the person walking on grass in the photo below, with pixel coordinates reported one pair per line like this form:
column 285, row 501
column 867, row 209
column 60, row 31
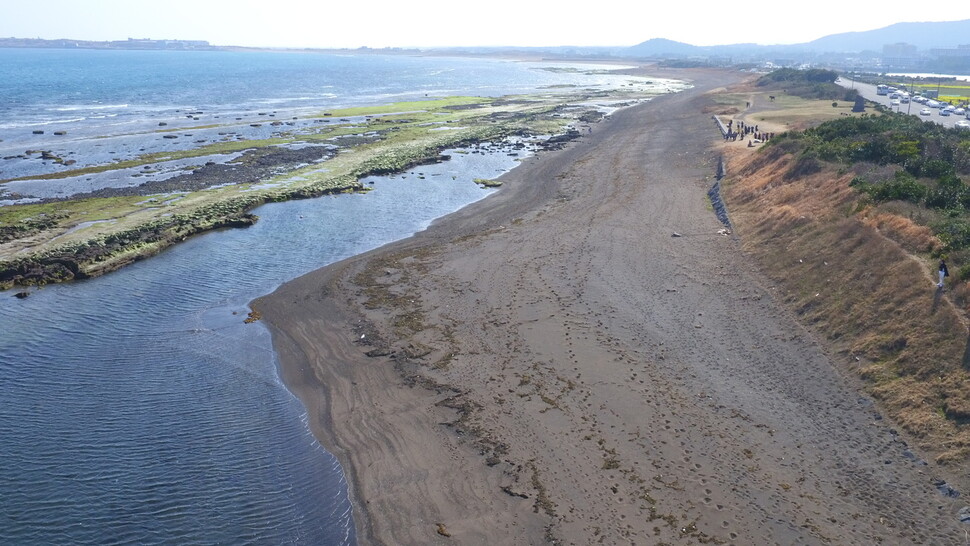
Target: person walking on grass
column 944, row 272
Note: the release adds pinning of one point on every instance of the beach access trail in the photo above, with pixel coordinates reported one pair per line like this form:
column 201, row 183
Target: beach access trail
column 552, row 366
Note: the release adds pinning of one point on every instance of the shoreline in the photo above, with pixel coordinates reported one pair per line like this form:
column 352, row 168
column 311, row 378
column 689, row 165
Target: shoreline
column 550, row 364
column 134, row 223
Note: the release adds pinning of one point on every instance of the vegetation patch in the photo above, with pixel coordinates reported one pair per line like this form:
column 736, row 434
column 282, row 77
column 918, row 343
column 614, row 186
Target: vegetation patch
column 107, row 229
column 409, row 106
column 808, row 84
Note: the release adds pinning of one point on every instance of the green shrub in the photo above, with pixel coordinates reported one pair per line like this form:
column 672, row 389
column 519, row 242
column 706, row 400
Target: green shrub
column 903, row 187
column 954, row 233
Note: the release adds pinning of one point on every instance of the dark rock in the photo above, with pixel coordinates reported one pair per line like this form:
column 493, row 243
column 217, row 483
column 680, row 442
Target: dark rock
column 38, row 132
column 945, row 489
column 22, row 295
column 251, row 167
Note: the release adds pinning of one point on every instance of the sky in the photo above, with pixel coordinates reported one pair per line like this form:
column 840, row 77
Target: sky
column 438, row 23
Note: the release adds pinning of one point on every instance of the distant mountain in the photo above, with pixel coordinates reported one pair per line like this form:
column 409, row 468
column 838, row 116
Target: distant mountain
column 662, row 47
column 946, row 34
column 924, row 36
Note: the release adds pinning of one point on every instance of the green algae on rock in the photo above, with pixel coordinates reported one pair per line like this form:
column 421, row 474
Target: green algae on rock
column 61, row 240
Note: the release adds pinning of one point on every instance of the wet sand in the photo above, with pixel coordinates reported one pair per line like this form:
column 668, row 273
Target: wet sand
column 552, row 366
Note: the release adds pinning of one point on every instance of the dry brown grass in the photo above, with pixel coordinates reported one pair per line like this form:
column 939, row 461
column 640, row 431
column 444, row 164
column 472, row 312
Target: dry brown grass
column 913, row 237
column 862, row 278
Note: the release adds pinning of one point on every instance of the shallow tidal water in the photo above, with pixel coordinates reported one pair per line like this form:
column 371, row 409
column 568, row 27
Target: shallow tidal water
column 138, row 408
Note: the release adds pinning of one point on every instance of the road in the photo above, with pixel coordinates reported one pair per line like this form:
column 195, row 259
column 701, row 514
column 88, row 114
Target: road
column 868, row 91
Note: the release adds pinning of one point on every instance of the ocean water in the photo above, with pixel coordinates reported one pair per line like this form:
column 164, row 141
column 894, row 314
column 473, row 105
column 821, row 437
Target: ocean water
column 109, row 104
column 138, row 408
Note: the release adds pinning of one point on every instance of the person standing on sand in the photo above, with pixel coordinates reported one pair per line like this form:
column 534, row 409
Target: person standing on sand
column 944, row 272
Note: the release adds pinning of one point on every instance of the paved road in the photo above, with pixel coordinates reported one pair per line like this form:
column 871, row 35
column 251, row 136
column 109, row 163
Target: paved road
column 868, row 91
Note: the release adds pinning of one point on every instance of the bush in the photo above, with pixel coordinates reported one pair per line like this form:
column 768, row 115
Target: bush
column 936, row 168
column 903, row 187
column 954, row 233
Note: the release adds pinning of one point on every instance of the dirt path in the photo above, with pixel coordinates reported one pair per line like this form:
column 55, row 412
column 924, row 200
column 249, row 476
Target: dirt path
column 558, row 368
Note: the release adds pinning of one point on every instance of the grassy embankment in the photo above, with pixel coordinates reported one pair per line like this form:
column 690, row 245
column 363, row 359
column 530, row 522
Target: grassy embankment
column 62, row 240
column 848, row 214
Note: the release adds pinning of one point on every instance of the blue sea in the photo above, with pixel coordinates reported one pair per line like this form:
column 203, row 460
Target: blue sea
column 138, row 408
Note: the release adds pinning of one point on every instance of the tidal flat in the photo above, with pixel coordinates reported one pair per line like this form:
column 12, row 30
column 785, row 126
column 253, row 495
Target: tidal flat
column 100, row 209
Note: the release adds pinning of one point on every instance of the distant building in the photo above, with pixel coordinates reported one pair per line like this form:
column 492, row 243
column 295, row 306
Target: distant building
column 130, row 43
column 147, row 43
column 952, row 60
column 960, row 51
column 900, row 55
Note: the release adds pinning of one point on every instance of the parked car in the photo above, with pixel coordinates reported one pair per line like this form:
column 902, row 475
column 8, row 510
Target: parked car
column 944, row 112
column 924, row 112
column 963, row 124
column 960, row 112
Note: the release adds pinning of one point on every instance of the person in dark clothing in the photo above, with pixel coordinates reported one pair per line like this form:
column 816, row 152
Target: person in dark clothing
column 944, row 272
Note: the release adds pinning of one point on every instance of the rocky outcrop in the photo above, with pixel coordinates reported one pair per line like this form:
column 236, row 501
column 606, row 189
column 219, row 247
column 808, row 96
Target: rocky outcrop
column 107, row 253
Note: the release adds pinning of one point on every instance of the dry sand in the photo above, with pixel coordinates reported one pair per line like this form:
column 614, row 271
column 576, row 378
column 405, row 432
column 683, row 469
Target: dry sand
column 552, row 366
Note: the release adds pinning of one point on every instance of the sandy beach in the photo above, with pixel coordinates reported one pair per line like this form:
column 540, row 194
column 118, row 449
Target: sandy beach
column 552, row 365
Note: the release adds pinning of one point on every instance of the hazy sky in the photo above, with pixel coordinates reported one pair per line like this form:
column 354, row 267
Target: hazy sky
column 432, row 23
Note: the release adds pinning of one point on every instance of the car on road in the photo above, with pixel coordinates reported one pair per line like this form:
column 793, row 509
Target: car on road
column 960, row 112
column 963, row 124
column 944, row 112
column 924, row 112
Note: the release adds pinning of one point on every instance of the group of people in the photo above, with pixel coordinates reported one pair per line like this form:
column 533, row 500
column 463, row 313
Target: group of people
column 744, row 130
